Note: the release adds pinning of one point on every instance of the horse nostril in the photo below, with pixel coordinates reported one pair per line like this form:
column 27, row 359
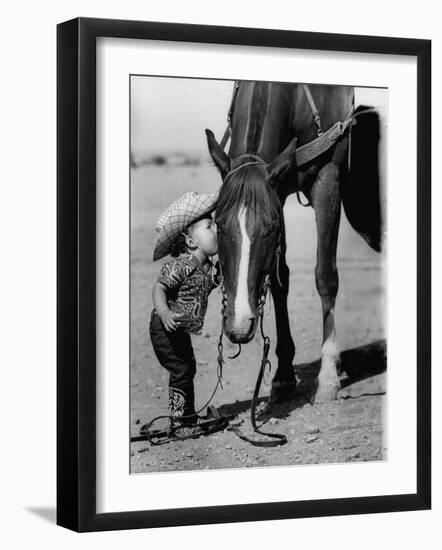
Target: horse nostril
column 252, row 324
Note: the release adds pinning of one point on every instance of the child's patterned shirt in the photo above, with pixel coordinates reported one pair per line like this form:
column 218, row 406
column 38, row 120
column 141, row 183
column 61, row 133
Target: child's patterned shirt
column 188, row 288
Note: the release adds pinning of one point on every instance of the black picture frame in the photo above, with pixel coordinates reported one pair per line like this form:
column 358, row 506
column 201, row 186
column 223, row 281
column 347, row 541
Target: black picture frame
column 77, row 288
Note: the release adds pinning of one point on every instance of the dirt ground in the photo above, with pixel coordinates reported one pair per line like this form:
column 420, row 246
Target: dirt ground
column 351, row 428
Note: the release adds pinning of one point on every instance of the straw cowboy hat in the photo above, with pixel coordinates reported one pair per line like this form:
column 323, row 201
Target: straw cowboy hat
column 181, row 213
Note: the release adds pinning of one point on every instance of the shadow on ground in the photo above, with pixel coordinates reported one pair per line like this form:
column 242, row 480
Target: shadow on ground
column 356, row 364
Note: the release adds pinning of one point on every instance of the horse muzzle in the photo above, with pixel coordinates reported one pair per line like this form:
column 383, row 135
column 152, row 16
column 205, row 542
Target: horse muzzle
column 240, row 332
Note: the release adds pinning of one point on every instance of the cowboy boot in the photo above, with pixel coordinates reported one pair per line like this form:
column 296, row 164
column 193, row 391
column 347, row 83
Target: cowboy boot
column 177, row 402
column 184, row 423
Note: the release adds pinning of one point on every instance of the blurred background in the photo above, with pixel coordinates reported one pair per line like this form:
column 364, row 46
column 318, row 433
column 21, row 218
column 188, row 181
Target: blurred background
column 169, row 115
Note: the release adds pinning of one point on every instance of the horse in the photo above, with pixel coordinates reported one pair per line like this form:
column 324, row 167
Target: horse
column 270, row 123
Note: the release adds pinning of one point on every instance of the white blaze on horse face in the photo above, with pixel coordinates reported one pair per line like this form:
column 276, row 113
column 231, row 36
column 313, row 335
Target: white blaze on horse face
column 243, row 313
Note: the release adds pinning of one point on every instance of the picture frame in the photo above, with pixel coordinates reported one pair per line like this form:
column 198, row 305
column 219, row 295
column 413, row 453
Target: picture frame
column 77, row 252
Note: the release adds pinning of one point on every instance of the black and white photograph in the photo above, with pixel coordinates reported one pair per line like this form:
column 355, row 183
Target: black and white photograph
column 258, row 288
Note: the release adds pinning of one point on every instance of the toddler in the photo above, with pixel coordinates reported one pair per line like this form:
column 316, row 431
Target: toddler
column 188, row 233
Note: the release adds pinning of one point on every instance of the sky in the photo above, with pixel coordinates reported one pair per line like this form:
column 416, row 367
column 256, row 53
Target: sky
column 170, row 114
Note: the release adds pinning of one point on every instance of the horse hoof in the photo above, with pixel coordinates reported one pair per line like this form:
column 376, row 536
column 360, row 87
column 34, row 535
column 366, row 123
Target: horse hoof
column 326, row 392
column 282, row 391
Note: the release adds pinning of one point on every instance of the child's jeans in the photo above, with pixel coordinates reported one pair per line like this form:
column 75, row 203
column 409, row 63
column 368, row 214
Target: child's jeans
column 175, row 353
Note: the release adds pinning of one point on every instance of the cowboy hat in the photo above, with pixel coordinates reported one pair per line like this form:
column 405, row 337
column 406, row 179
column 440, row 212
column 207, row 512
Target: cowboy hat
column 181, row 213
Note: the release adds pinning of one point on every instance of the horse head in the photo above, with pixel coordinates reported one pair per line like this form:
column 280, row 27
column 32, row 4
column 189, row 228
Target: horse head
column 249, row 220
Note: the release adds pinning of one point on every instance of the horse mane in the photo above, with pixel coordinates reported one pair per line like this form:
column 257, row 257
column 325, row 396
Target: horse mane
column 248, row 186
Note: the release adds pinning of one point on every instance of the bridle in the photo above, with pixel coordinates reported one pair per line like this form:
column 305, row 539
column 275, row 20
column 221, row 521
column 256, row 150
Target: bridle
column 265, row 362
column 278, row 439
column 259, row 161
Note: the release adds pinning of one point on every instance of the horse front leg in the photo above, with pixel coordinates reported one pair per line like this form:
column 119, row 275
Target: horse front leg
column 326, row 202
column 284, row 381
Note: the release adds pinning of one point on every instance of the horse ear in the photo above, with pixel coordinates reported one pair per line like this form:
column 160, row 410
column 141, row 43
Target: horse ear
column 283, row 164
column 217, row 153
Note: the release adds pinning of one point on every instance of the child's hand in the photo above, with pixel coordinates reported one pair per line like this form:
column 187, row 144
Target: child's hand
column 167, row 318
